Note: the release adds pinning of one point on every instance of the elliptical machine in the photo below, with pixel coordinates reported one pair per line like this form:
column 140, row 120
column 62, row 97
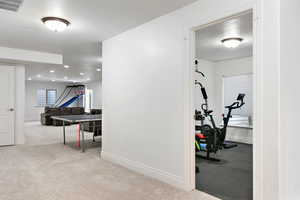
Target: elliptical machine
column 211, row 138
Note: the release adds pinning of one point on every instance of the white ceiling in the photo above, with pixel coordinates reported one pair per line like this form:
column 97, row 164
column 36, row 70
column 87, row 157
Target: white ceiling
column 41, row 72
column 208, row 39
column 92, row 21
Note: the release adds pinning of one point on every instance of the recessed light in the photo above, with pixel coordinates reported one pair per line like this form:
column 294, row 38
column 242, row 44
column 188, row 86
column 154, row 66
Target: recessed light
column 66, row 66
column 55, row 23
column 232, row 42
column 98, row 70
column 53, row 80
column 81, row 74
column 88, row 79
column 51, row 71
column 65, row 77
column 39, row 76
column 29, row 79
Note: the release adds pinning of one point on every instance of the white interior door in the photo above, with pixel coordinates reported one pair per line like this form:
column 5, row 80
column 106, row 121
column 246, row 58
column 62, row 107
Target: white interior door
column 7, row 103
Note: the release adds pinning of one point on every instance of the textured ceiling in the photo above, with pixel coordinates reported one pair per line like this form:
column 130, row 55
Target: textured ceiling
column 208, row 39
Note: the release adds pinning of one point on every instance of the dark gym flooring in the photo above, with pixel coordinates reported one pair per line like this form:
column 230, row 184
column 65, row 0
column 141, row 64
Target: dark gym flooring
column 229, row 179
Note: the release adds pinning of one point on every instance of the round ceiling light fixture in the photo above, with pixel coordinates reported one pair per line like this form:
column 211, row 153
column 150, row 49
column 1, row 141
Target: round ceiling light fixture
column 56, row 24
column 232, row 42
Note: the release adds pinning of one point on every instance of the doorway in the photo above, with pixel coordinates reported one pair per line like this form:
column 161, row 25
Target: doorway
column 223, row 104
column 7, row 105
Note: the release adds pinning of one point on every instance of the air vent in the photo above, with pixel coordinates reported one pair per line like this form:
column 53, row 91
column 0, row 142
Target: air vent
column 12, row 5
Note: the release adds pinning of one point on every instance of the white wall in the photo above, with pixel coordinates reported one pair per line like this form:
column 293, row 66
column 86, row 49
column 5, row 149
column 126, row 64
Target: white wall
column 143, row 92
column 143, row 72
column 225, row 69
column 289, row 100
column 32, row 111
column 96, row 86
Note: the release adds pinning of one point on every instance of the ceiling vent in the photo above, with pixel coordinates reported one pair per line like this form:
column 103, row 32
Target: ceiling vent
column 12, row 5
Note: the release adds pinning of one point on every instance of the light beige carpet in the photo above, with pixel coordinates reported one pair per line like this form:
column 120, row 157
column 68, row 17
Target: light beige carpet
column 44, row 169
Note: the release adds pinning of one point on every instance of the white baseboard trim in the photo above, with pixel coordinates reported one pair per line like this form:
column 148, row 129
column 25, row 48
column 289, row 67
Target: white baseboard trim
column 166, row 177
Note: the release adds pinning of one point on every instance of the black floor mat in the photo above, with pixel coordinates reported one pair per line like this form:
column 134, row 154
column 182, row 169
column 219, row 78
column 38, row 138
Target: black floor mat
column 229, row 179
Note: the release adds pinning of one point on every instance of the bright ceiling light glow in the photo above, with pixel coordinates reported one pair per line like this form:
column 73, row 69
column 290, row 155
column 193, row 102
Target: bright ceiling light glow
column 81, row 74
column 51, row 71
column 67, row 66
column 232, row 42
column 29, row 79
column 98, row 70
column 53, row 80
column 56, row 24
column 39, row 76
column 88, row 79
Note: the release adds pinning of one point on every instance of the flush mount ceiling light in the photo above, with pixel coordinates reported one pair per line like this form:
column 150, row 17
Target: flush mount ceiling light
column 55, row 23
column 232, row 42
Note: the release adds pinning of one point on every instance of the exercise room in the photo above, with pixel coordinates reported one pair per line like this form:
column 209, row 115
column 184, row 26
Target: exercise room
column 224, row 108
column 63, row 91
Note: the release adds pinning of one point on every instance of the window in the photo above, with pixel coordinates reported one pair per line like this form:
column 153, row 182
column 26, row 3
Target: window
column 41, row 97
column 51, row 97
column 46, row 97
column 234, row 85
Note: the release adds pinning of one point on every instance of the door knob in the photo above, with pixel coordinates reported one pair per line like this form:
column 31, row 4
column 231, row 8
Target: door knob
column 11, row 109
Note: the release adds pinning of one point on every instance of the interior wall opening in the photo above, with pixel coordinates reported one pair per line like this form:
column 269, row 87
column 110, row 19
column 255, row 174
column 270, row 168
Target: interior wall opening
column 53, row 91
column 223, row 102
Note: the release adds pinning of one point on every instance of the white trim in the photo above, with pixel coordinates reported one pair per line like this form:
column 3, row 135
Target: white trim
column 189, row 139
column 257, row 106
column 19, row 104
column 145, row 170
column 12, row 54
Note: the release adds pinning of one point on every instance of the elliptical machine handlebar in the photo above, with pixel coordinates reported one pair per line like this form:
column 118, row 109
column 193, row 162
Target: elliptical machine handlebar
column 238, row 104
column 204, row 106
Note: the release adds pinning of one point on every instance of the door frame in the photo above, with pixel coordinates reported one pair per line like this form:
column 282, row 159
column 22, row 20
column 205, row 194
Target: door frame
column 189, row 106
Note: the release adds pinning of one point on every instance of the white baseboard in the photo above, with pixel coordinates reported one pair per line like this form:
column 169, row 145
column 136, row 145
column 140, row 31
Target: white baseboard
column 166, row 177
